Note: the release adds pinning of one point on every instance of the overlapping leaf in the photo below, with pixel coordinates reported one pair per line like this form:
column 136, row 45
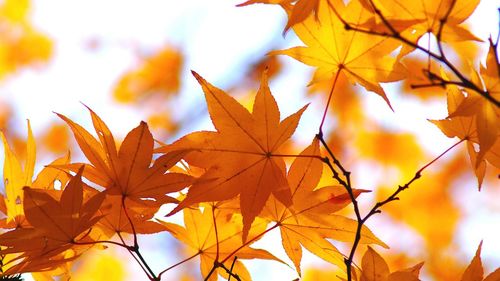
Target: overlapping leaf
column 474, row 119
column 374, row 268
column 215, row 235
column 15, row 178
column 486, row 114
column 128, row 176
column 127, row 172
column 242, row 157
column 474, row 271
column 55, row 226
column 312, row 219
column 427, row 16
column 365, row 59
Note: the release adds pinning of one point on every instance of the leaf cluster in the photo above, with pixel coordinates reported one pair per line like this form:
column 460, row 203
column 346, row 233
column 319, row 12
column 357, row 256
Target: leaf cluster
column 236, row 184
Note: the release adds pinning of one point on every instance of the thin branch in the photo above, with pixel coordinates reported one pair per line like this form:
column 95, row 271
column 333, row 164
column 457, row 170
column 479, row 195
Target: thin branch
column 418, row 174
column 232, row 266
column 465, row 82
column 230, row 271
column 143, row 261
column 394, row 195
column 441, row 82
column 135, row 247
column 376, row 208
column 130, row 221
column 130, row 250
column 212, row 270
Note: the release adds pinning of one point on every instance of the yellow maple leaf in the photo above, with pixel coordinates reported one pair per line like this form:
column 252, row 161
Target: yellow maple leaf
column 363, row 58
column 243, row 156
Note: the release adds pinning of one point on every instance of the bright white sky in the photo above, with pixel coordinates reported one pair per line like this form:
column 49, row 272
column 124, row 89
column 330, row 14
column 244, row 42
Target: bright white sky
column 218, row 38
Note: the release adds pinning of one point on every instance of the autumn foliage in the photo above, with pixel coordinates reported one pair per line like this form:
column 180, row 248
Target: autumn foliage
column 218, row 191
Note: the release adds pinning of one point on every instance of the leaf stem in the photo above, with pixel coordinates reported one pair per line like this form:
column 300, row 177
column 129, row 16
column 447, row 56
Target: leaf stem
column 329, row 99
column 135, row 248
column 177, row 264
column 216, row 234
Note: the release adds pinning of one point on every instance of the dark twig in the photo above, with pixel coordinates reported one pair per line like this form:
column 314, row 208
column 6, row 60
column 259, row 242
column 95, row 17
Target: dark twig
column 135, row 248
column 393, row 33
column 232, row 266
column 346, row 183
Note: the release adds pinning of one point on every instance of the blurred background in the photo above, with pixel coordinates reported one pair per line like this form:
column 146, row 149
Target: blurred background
column 131, row 60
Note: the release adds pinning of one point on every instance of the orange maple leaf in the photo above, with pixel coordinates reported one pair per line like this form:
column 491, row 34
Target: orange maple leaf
column 127, row 172
column 16, row 177
column 130, row 217
column 374, row 268
column 135, row 188
column 463, row 127
column 56, row 226
column 474, row 271
column 20, row 43
column 215, row 235
column 242, row 157
column 158, row 74
column 475, row 119
column 364, row 59
column 427, row 16
column 486, row 114
column 311, row 220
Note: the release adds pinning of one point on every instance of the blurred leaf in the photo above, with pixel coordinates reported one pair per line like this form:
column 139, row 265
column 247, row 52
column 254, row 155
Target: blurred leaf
column 158, row 74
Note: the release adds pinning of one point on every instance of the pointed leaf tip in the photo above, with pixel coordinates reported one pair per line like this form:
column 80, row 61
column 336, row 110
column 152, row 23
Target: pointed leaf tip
column 196, row 75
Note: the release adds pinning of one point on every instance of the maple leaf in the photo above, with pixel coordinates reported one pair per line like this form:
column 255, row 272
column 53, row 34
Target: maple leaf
column 56, row 226
column 130, row 217
column 49, row 175
column 20, row 43
column 310, row 221
column 242, row 157
column 56, row 138
column 158, row 74
column 427, row 16
column 332, row 49
column 474, row 119
column 463, row 127
column 374, row 268
column 127, row 172
column 474, row 271
column 15, row 178
column 487, row 115
column 214, row 234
